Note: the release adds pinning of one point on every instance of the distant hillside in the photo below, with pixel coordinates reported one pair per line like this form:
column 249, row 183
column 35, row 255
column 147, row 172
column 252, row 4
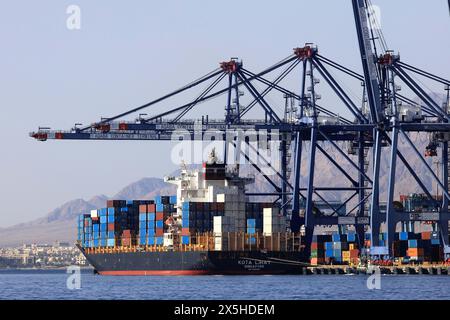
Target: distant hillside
column 59, row 224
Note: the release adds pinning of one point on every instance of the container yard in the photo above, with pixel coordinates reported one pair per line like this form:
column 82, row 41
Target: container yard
column 214, row 225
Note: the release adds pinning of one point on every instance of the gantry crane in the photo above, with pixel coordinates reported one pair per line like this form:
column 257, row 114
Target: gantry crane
column 376, row 124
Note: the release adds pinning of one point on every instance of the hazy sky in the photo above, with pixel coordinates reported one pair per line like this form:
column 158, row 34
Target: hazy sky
column 128, row 53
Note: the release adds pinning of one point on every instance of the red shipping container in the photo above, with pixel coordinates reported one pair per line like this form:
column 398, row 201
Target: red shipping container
column 185, row 232
column 151, row 207
column 354, row 253
column 143, row 208
column 314, row 246
column 127, row 233
column 159, row 216
column 426, row 235
column 159, row 232
column 111, row 227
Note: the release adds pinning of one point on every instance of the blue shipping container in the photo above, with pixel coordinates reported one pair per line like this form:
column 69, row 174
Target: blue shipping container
column 110, row 218
column 150, row 240
column 173, row 199
column 159, row 207
column 184, row 239
column 159, row 224
column 186, row 206
column 412, row 243
column 142, row 217
column 328, row 253
column 251, row 223
column 351, row 237
column 336, row 237
column 403, row 236
column 159, row 240
column 151, row 216
column 111, row 242
column 251, row 230
column 142, row 240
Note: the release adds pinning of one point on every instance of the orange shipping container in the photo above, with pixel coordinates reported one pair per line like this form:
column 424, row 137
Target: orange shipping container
column 159, row 232
column 185, row 232
column 126, row 241
column 415, row 252
column 316, row 261
column 151, row 207
column 143, row 208
column 159, row 216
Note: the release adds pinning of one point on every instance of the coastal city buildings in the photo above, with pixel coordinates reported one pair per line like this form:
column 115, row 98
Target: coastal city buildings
column 58, row 254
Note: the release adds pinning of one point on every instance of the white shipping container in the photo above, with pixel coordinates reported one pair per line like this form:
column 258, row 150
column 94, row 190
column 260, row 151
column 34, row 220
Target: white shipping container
column 222, row 224
column 220, row 243
column 94, row 213
column 220, row 197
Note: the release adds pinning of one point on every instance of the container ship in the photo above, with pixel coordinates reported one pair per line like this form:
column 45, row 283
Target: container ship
column 208, row 227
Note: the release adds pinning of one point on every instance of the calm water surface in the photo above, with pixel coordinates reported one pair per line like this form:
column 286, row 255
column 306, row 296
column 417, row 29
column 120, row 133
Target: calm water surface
column 52, row 285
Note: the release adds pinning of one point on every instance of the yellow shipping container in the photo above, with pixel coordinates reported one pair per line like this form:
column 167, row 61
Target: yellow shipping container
column 346, row 256
column 351, row 246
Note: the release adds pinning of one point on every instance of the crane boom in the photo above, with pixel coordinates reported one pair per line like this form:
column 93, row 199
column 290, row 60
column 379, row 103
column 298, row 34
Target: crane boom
column 368, row 59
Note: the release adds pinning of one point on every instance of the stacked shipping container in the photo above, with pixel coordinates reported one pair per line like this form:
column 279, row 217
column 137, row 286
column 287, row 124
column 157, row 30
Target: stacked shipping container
column 335, row 248
column 112, row 226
